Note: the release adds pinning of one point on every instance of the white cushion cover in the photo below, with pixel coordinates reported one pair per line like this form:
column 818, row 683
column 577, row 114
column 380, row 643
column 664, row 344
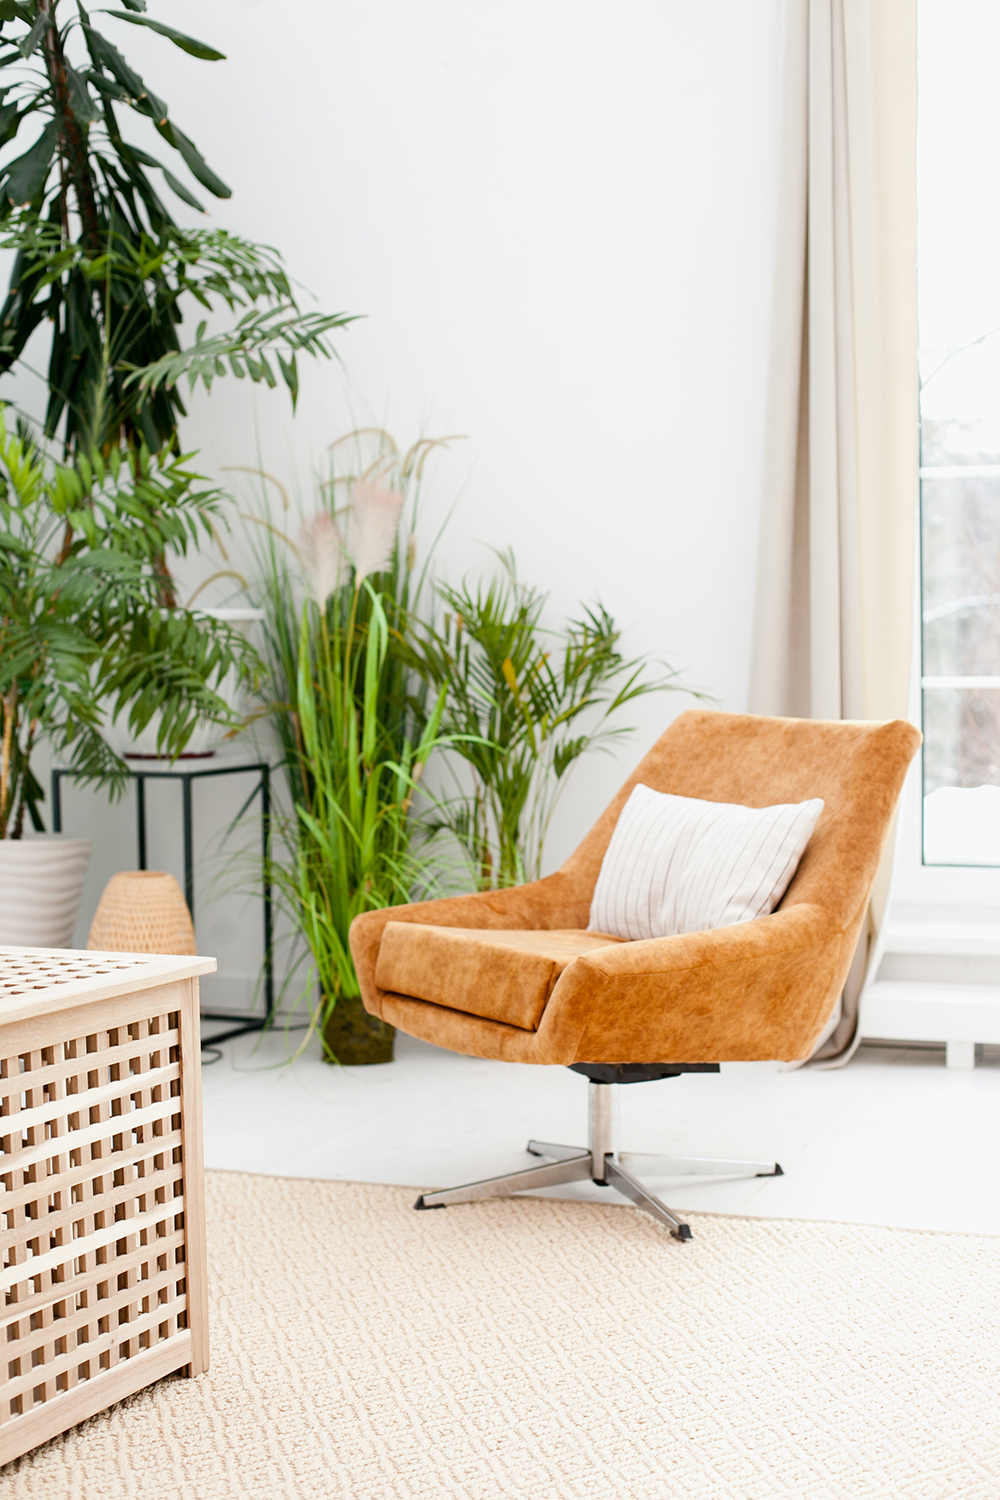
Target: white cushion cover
column 677, row 864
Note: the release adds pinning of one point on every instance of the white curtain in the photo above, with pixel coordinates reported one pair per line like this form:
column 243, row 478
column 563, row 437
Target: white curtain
column 833, row 624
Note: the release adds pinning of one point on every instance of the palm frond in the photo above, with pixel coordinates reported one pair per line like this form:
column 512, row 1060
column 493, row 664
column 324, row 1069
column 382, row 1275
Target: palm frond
column 82, row 620
column 524, row 704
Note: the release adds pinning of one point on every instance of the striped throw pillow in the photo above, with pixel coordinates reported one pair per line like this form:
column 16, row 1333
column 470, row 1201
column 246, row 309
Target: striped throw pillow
column 677, row 864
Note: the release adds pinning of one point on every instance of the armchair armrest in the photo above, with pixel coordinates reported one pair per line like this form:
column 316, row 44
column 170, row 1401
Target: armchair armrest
column 759, row 990
column 540, row 905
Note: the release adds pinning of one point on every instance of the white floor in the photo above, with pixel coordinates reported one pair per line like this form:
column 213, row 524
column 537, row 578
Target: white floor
column 894, row 1138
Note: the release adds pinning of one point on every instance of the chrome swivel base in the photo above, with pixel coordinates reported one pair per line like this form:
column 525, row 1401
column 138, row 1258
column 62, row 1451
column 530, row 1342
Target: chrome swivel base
column 602, row 1163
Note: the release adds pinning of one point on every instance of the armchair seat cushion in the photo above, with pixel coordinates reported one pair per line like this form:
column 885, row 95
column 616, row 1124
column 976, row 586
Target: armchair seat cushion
column 495, row 973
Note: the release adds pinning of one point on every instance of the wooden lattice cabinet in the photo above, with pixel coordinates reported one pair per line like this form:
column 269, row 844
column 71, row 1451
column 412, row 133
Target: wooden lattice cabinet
column 101, row 1183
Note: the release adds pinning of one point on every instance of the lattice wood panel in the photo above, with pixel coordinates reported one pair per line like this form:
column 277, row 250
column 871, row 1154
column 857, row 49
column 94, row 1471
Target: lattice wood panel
column 93, row 1231
column 22, row 974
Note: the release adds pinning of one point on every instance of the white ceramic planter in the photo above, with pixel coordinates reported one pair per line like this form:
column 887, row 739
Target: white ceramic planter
column 207, row 738
column 41, row 883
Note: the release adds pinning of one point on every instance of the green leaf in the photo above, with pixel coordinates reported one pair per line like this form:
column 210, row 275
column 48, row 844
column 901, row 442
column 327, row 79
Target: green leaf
column 186, row 43
column 269, row 329
column 181, row 191
column 84, row 106
column 10, row 120
column 28, row 174
column 110, row 58
column 27, row 46
column 135, row 4
column 290, row 374
column 195, row 162
column 128, row 150
column 106, row 87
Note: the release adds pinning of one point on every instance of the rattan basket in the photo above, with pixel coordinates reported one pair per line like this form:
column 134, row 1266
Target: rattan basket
column 142, row 911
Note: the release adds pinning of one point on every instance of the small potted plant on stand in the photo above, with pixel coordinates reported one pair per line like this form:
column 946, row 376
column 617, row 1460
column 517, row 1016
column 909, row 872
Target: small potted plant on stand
column 82, row 626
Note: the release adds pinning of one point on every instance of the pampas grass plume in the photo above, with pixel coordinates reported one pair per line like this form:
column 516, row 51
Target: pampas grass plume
column 322, row 552
column 373, row 525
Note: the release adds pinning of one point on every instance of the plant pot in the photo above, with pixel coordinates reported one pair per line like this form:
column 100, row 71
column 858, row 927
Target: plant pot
column 207, row 737
column 41, row 883
column 353, row 1038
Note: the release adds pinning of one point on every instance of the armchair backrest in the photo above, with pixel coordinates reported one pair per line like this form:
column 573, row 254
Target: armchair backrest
column 857, row 767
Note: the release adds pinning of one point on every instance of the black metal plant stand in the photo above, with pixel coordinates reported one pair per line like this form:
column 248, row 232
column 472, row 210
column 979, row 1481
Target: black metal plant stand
column 186, row 775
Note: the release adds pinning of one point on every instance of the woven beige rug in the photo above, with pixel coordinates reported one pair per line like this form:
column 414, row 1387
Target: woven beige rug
column 557, row 1350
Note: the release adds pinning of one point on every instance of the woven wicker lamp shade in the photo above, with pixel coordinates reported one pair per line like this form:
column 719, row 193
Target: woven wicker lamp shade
column 142, row 911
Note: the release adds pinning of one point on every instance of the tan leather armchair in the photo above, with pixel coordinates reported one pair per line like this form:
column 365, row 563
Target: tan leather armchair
column 515, row 974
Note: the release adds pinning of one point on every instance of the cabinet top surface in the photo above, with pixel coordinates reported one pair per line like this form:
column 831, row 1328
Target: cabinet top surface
column 48, row 979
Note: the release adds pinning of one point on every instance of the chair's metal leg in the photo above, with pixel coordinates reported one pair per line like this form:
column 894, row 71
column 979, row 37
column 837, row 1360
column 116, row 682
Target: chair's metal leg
column 696, row 1166
column 602, row 1164
column 557, row 1153
column 574, row 1169
column 631, row 1188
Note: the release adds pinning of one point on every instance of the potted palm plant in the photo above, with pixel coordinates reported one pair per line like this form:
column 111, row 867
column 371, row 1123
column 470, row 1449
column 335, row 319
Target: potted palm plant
column 523, row 703
column 99, row 256
column 83, row 630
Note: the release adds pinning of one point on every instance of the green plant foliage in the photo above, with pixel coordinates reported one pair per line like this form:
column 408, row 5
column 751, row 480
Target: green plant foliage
column 352, row 831
column 353, row 724
column 99, row 255
column 523, row 705
column 83, row 634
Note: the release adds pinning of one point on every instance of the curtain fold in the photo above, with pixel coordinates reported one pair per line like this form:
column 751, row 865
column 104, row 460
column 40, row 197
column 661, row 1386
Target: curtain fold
column 833, row 622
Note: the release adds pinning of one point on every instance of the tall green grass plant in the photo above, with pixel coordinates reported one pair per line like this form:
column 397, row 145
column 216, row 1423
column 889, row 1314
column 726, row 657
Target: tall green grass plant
column 356, row 728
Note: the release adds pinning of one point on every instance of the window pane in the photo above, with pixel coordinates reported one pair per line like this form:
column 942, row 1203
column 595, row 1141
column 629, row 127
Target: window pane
column 961, row 565
column 961, row 776
column 959, row 285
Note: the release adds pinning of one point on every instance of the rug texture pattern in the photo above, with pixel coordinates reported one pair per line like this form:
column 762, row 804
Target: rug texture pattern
column 557, row 1350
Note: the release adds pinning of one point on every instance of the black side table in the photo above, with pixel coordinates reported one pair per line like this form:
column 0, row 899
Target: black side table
column 186, row 773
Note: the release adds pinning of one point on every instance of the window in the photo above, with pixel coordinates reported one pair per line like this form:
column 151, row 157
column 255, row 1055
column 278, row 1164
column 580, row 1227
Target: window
column 959, row 281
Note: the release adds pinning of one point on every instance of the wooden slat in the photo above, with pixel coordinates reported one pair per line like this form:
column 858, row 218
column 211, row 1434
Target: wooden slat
column 18, row 1218
column 164, row 1247
column 110, row 1199
column 105, row 1343
column 87, row 1062
column 42, row 1318
column 74, row 1176
column 161, row 1189
column 100, row 1271
column 32, row 1266
column 116, row 1012
column 194, row 1187
column 18, row 1434
column 83, row 1062
column 103, row 1132
column 61, row 1108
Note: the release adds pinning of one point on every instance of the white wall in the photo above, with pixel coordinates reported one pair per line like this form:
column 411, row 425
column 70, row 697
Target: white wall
column 557, row 219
